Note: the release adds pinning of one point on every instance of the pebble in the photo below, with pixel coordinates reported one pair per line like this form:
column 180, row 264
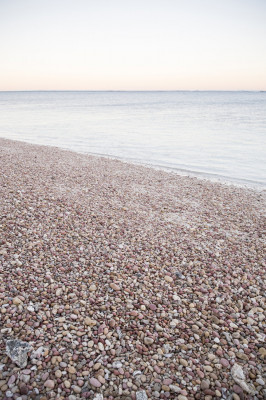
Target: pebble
column 183, row 362
column 114, row 286
column 71, row 369
column 168, row 279
column 94, row 382
column 17, row 301
column 58, row 373
column 148, row 341
column 49, row 384
column 205, row 384
column 225, row 363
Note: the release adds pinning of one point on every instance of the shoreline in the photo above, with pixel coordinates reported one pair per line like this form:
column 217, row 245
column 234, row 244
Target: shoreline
column 203, row 176
column 128, row 282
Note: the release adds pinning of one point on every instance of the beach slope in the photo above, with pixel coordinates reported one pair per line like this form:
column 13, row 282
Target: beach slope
column 126, row 281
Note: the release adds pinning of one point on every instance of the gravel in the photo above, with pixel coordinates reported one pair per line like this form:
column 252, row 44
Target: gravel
column 127, row 282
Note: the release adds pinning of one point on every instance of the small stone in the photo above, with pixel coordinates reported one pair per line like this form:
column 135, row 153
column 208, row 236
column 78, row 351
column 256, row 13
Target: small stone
column 242, row 356
column 168, row 278
column 158, row 328
column 97, row 366
column 167, row 381
column 117, row 364
column 148, row 341
column 114, row 286
column 101, row 346
column 67, row 384
column 181, row 397
column 262, row 351
column 260, row 381
column 225, row 363
column 17, row 301
column 72, row 370
column 26, row 371
column 94, row 382
column 76, row 389
column 92, row 288
column 90, row 322
column 23, row 389
column 58, row 373
column 205, row 384
column 11, row 380
column 98, row 396
column 45, row 376
column 175, row 388
column 183, row 362
column 49, row 384
column 58, row 292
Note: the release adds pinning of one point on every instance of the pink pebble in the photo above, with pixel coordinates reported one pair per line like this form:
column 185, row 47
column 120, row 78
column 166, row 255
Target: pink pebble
column 11, row 380
column 167, row 381
column 94, row 382
column 157, row 369
column 26, row 371
column 224, row 362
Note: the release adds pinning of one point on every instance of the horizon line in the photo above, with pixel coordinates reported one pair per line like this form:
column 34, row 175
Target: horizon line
column 134, row 90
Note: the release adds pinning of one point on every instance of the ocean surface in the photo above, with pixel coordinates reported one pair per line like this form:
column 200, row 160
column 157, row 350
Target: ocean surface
column 215, row 135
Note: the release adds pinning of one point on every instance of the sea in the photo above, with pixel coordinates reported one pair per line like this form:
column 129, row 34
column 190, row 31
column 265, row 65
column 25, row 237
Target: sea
column 216, row 135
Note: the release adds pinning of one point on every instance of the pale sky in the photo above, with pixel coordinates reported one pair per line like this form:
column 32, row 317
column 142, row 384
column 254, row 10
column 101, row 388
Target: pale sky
column 132, row 44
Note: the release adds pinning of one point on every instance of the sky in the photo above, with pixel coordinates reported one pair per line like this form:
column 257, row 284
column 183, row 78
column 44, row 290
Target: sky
column 132, row 45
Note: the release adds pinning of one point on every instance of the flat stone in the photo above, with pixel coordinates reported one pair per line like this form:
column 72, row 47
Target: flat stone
column 18, row 351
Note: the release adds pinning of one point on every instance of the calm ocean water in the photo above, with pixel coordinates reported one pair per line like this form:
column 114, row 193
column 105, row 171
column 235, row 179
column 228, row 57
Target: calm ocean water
column 212, row 134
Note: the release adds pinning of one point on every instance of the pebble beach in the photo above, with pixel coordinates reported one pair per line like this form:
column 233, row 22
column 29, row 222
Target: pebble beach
column 125, row 282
